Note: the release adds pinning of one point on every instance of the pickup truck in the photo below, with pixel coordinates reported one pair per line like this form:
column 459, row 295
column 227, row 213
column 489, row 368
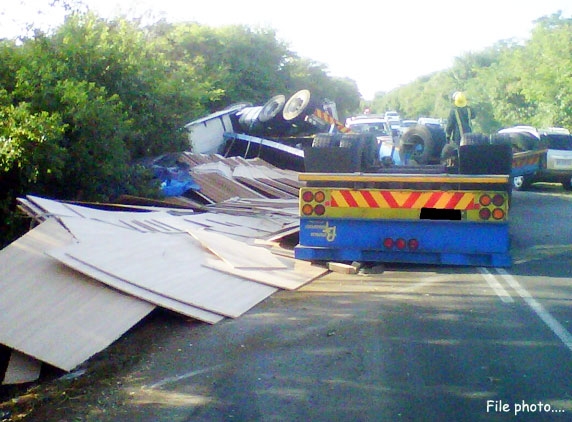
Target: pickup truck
column 539, row 155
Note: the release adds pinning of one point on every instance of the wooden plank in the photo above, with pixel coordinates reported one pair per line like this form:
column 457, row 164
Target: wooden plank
column 265, row 189
column 218, row 188
column 21, row 369
column 53, row 313
column 238, row 254
column 167, row 264
column 297, row 274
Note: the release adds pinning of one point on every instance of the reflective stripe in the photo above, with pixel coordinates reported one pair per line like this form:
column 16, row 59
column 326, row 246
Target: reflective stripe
column 460, row 124
column 406, row 178
column 402, row 199
column 329, row 119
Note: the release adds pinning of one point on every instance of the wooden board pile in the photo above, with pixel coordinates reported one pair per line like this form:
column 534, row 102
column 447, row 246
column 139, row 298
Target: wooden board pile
column 83, row 276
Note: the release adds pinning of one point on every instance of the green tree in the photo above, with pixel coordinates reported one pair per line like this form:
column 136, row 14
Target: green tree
column 547, row 70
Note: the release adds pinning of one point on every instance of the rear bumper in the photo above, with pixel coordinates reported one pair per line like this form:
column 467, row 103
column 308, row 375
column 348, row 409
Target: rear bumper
column 437, row 242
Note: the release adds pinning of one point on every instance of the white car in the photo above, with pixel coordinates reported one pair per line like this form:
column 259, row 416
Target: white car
column 431, row 121
column 375, row 125
column 392, row 115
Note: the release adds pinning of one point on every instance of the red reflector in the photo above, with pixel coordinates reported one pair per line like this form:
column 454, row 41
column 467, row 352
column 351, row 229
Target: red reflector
column 307, row 196
column 485, row 200
column 400, row 243
column 498, row 200
column 485, row 213
column 320, row 209
column 413, row 244
column 388, row 242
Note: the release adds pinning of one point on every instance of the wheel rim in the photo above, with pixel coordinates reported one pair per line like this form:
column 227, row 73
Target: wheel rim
column 418, row 149
column 296, row 104
column 518, row 182
column 272, row 108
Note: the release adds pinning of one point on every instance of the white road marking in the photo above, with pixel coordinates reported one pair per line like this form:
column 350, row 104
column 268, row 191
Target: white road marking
column 543, row 314
column 496, row 286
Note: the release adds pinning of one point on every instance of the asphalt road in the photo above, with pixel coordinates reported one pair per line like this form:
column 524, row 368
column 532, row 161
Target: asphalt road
column 413, row 343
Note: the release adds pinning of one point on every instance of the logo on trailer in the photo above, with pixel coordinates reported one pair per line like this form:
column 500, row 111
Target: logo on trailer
column 322, row 230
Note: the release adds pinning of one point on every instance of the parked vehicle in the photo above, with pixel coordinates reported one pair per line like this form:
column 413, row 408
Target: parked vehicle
column 392, row 115
column 372, row 125
column 430, row 121
column 539, row 155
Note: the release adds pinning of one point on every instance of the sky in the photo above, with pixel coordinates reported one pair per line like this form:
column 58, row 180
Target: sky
column 379, row 44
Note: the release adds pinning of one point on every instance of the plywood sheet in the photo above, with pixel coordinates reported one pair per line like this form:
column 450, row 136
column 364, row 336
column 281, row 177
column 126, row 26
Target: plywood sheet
column 238, row 254
column 136, row 291
column 295, row 276
column 140, row 221
column 167, row 264
column 54, row 208
column 21, row 369
column 55, row 314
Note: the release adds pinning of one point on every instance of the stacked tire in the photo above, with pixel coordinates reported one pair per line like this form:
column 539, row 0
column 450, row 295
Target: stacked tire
column 354, row 152
column 422, row 144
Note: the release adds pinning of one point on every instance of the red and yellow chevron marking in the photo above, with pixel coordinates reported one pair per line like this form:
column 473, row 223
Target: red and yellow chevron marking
column 525, row 161
column 403, row 199
column 328, row 118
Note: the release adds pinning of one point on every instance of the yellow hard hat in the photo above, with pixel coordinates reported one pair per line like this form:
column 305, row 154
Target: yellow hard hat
column 459, row 99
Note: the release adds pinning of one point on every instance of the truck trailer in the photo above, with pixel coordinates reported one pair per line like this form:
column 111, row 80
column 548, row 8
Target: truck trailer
column 353, row 208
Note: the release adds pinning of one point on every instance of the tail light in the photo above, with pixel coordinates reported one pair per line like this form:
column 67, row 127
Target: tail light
column 484, row 213
column 313, row 203
column 491, row 207
column 485, row 200
column 498, row 214
column 498, row 200
column 308, row 196
column 401, row 244
column 319, row 209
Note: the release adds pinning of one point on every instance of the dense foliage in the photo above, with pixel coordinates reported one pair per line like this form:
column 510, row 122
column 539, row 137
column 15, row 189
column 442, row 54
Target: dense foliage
column 80, row 106
column 509, row 83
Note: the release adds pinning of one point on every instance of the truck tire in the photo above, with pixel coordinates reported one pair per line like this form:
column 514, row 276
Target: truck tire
column 326, row 155
column 475, row 139
column 326, row 140
column 567, row 183
column 519, row 141
column 349, row 140
column 272, row 108
column 365, row 145
column 422, row 143
column 248, row 119
column 298, row 106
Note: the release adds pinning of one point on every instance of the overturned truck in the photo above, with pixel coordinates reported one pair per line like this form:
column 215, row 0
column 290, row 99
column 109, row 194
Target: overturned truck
column 356, row 207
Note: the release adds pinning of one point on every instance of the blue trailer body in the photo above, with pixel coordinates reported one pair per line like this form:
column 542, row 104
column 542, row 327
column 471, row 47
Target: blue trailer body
column 439, row 242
